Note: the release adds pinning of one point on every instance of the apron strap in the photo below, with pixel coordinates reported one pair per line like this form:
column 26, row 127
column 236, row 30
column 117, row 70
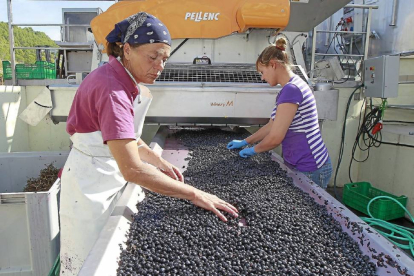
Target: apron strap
column 90, row 155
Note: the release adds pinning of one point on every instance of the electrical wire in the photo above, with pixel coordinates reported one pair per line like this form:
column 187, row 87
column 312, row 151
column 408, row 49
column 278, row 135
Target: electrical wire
column 341, row 44
column 393, row 144
column 393, row 232
column 364, row 140
column 348, row 52
column 347, row 60
column 301, row 34
column 335, row 38
column 357, row 139
column 332, row 40
column 342, row 145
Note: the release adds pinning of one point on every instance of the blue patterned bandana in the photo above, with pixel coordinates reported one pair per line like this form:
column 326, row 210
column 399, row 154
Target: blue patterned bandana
column 140, row 28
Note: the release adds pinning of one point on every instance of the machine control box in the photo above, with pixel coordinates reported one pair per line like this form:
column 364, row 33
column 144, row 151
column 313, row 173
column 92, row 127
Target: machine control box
column 381, row 76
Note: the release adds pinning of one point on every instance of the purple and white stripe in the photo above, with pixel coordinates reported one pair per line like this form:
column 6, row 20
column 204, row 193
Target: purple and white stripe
column 306, row 121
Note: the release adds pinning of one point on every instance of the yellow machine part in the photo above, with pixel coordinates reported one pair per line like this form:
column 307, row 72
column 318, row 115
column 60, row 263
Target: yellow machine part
column 198, row 18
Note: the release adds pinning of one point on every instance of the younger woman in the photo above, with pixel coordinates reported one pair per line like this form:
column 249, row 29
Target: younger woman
column 294, row 120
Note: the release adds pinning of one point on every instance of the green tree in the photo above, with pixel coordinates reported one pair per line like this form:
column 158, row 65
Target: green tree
column 23, row 37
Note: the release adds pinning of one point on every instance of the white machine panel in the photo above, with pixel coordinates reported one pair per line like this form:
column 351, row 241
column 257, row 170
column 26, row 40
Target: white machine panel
column 381, row 76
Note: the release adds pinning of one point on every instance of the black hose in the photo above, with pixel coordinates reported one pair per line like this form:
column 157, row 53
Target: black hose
column 178, row 47
column 341, row 148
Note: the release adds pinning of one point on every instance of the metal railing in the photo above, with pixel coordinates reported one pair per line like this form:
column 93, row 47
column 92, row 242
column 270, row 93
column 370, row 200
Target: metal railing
column 13, row 47
column 366, row 34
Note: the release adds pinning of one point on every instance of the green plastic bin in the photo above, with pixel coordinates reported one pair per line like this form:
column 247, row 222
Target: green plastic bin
column 27, row 72
column 357, row 195
column 55, row 271
column 39, row 70
column 7, row 71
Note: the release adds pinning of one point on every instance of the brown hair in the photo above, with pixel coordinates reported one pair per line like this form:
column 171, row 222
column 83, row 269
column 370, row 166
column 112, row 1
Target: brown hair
column 115, row 49
column 276, row 52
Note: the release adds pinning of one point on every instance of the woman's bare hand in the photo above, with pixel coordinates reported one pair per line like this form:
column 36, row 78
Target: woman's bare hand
column 171, row 170
column 213, row 203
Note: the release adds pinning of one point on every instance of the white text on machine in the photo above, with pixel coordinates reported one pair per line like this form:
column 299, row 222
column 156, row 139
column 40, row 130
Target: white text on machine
column 200, row 16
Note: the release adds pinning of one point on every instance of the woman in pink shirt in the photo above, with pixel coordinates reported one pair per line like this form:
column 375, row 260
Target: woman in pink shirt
column 105, row 124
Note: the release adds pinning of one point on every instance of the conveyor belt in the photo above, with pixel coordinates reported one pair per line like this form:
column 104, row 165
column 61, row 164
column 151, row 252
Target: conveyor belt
column 102, row 258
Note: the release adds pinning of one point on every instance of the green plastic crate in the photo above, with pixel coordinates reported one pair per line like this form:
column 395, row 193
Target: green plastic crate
column 7, row 72
column 39, row 70
column 55, row 271
column 357, row 195
column 27, row 72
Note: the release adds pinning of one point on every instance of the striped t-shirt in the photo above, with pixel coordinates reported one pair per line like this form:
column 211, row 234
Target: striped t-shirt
column 302, row 146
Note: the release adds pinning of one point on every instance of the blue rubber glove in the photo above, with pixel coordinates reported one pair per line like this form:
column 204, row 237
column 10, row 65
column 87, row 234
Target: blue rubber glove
column 247, row 152
column 236, row 144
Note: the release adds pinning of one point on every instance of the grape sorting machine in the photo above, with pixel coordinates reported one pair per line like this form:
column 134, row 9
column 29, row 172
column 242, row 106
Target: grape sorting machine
column 102, row 260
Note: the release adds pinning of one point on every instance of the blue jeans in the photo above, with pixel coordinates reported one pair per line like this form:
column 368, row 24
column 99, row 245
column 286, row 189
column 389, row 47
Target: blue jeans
column 322, row 175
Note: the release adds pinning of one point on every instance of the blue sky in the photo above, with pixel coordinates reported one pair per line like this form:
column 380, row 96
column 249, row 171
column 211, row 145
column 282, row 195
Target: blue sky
column 29, row 11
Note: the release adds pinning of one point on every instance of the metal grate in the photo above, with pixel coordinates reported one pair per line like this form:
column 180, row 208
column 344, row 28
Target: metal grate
column 225, row 73
column 238, row 73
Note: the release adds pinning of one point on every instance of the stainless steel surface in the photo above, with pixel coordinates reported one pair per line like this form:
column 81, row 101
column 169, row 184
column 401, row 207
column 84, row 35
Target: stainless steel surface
column 339, row 32
column 409, row 107
column 78, row 16
column 328, row 37
column 346, row 55
column 381, row 76
column 394, row 12
column 235, row 48
column 353, row 39
column 217, row 94
column 205, row 121
column 191, row 104
column 392, row 39
column 79, row 61
column 305, row 16
column 328, row 70
column 327, row 104
column 323, row 86
column 318, row 49
column 313, row 51
column 385, row 39
column 198, row 104
column 62, row 98
column 44, row 82
column 362, row 6
column 406, row 53
column 368, row 32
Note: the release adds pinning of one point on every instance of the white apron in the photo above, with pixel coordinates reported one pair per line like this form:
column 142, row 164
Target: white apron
column 91, row 183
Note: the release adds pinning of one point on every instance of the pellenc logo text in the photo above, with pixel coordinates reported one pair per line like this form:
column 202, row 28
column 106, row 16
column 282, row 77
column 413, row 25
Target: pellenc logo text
column 201, row 16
